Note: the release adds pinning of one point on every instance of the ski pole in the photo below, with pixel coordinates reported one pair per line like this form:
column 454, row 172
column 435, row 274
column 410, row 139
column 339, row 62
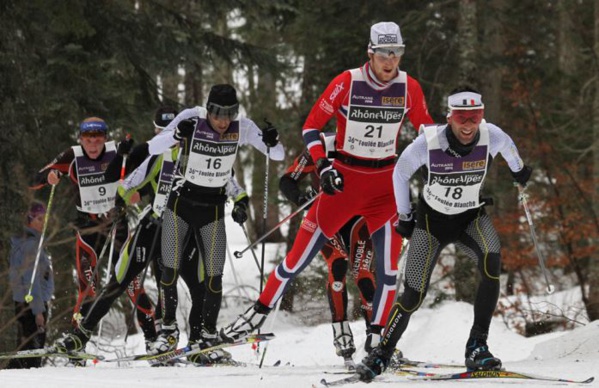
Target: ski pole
column 253, row 253
column 264, row 215
column 29, row 297
column 239, row 254
column 522, row 197
column 272, row 324
column 124, row 164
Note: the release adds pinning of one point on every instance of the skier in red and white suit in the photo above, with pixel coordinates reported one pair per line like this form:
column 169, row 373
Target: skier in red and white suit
column 370, row 104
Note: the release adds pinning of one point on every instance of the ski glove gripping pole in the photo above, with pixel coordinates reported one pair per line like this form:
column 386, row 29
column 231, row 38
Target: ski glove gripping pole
column 184, row 129
column 523, row 175
column 331, row 180
column 240, row 209
column 270, row 135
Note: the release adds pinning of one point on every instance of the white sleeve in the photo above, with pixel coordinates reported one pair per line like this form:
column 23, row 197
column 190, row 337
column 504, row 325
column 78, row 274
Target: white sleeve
column 165, row 139
column 234, row 189
column 249, row 133
column 411, row 159
column 137, row 176
column 501, row 142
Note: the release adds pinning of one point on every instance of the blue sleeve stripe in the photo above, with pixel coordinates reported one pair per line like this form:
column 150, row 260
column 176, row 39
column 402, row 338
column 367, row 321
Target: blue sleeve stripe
column 311, row 136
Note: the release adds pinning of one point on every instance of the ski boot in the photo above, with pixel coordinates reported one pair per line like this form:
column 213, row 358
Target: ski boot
column 373, row 337
column 167, row 340
column 216, row 356
column 246, row 324
column 375, row 363
column 478, row 356
column 74, row 341
column 343, row 340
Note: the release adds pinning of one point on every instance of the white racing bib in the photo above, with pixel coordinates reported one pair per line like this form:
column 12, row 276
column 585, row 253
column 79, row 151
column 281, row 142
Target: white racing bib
column 374, row 117
column 454, row 184
column 212, row 155
column 97, row 196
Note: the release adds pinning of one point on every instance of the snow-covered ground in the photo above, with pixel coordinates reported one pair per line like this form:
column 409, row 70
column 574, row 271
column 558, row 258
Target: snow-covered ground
column 306, row 352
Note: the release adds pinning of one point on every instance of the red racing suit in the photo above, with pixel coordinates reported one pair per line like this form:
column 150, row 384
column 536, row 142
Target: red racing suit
column 353, row 237
column 369, row 117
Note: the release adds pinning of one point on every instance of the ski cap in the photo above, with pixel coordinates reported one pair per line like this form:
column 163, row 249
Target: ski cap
column 384, row 34
column 35, row 209
column 164, row 115
column 222, row 101
column 465, row 101
column 93, row 124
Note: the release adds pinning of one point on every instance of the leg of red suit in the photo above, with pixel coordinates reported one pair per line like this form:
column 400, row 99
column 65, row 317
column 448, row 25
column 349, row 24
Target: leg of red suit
column 308, row 241
column 86, row 258
column 387, row 246
column 337, row 264
column 361, row 255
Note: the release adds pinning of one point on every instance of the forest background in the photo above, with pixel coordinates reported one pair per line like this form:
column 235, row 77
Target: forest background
column 535, row 62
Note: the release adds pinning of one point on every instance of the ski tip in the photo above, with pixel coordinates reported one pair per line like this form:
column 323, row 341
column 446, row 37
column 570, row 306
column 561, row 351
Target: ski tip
column 277, row 363
column 324, row 382
column 589, row 380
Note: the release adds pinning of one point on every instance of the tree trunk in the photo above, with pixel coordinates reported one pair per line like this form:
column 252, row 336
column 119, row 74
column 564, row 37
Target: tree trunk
column 592, row 304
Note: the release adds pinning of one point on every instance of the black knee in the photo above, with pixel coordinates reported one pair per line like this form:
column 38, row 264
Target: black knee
column 214, row 284
column 410, row 300
column 339, row 269
column 367, row 289
column 169, row 276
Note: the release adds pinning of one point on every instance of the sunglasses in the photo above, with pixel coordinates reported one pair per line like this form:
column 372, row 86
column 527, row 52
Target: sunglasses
column 386, row 52
column 223, row 112
column 92, row 134
column 462, row 116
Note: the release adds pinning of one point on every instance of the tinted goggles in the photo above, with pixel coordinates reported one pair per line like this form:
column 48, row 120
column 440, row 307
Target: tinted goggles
column 462, row 116
column 388, row 52
column 92, row 134
column 223, row 112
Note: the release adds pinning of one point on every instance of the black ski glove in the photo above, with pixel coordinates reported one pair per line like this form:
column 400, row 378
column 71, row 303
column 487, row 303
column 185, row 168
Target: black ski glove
column 125, row 146
column 239, row 212
column 405, row 225
column 523, row 175
column 270, row 135
column 119, row 211
column 307, row 196
column 184, row 129
column 331, row 180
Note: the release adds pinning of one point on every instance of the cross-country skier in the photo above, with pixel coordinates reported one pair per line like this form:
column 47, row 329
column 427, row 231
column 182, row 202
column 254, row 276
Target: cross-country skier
column 370, row 104
column 457, row 157
column 211, row 137
column 350, row 247
column 127, row 279
column 97, row 216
